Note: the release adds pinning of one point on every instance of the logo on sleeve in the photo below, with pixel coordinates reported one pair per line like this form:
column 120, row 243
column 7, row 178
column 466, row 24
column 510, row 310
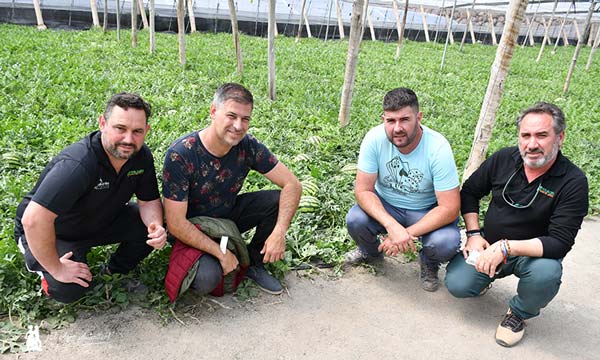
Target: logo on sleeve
column 135, row 172
column 102, row 185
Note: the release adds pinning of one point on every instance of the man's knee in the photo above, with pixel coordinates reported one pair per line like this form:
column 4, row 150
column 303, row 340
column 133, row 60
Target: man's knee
column 65, row 292
column 460, row 281
column 544, row 273
column 356, row 220
column 208, row 276
column 442, row 245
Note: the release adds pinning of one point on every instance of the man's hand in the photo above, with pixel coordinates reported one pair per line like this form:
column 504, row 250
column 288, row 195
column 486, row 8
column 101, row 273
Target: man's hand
column 397, row 240
column 72, row 272
column 274, row 248
column 489, row 260
column 228, row 262
column 476, row 242
column 157, row 236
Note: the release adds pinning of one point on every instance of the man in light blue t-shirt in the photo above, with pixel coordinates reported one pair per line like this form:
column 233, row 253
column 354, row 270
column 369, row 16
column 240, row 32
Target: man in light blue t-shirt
column 406, row 188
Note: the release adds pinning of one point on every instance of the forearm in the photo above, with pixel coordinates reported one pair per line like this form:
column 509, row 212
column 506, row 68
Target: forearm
column 471, row 221
column 288, row 204
column 532, row 247
column 187, row 233
column 370, row 203
column 151, row 212
column 41, row 240
column 436, row 218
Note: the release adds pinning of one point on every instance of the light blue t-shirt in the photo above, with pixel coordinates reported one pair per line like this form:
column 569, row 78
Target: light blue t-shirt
column 409, row 181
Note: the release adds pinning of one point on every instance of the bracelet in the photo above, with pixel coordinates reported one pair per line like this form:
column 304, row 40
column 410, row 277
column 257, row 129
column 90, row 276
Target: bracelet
column 507, row 247
column 504, row 250
column 473, row 232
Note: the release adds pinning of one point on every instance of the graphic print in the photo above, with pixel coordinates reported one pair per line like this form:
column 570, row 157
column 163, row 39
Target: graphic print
column 402, row 178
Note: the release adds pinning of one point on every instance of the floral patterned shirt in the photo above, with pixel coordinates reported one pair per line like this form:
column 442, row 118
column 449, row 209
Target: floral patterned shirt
column 208, row 183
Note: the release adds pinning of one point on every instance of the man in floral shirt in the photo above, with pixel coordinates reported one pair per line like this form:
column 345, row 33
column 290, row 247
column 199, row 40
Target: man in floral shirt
column 202, row 176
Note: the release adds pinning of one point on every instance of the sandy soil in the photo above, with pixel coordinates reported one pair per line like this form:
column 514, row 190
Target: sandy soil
column 361, row 315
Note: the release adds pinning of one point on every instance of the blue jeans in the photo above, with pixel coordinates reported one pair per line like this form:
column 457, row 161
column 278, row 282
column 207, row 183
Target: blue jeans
column 539, row 281
column 438, row 246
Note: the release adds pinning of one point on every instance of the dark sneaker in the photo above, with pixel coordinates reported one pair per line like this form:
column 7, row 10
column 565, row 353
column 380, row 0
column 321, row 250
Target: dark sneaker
column 357, row 256
column 264, row 280
column 429, row 277
column 485, row 290
column 133, row 286
column 511, row 330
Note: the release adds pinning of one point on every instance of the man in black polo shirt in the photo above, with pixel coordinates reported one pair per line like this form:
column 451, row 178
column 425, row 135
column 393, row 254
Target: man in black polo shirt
column 539, row 199
column 82, row 198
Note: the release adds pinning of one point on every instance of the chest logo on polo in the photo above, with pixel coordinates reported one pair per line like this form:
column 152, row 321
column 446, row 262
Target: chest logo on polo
column 547, row 192
column 402, row 178
column 135, row 172
column 102, row 185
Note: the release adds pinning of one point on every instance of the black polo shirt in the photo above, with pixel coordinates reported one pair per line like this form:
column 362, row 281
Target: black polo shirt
column 554, row 216
column 81, row 186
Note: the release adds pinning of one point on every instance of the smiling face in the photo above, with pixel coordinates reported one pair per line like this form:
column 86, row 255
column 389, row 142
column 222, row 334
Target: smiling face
column 538, row 141
column 403, row 128
column 230, row 122
column 123, row 133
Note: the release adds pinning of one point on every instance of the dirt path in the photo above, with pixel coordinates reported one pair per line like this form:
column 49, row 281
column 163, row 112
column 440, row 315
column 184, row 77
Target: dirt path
column 358, row 316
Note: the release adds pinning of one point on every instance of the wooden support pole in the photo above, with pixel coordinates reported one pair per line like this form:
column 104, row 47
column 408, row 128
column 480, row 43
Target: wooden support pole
column 561, row 31
column 594, row 48
column 402, row 27
column 236, row 37
column 307, row 25
column 590, row 41
column 499, row 71
column 181, row 30
column 351, row 61
column 397, row 17
column 118, row 20
column 338, row 11
column 191, row 15
column 492, row 29
column 271, row 49
column 471, row 31
column 530, row 29
column 152, row 28
column 565, row 37
column 467, row 23
column 586, row 33
column 94, row 10
column 134, row 23
column 105, row 17
column 576, row 26
column 425, row 29
column 38, row 15
column 363, row 24
column 546, row 29
column 142, row 9
column 301, row 17
column 450, row 35
column 371, row 29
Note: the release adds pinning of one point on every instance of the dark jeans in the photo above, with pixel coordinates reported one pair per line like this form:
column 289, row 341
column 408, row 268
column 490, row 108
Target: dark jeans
column 128, row 230
column 251, row 210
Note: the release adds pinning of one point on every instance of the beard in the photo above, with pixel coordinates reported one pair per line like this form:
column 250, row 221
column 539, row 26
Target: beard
column 544, row 160
column 113, row 149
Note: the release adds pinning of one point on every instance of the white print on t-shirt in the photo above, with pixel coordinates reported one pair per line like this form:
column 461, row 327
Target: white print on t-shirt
column 102, row 185
column 401, row 177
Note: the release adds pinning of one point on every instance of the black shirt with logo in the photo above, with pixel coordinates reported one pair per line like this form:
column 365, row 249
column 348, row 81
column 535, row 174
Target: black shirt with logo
column 81, row 186
column 551, row 207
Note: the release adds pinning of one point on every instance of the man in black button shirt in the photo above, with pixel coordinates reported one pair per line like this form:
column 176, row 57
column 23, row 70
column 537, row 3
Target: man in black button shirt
column 82, row 199
column 538, row 202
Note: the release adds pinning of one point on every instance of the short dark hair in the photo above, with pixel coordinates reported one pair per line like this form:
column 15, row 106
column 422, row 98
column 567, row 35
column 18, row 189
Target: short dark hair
column 233, row 91
column 558, row 117
column 398, row 98
column 125, row 101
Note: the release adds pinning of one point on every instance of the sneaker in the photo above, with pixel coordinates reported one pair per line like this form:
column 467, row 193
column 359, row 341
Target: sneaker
column 429, row 277
column 485, row 290
column 357, row 256
column 511, row 330
column 264, row 280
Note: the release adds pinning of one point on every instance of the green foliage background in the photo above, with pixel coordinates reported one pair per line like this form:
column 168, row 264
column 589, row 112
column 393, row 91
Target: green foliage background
column 55, row 83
